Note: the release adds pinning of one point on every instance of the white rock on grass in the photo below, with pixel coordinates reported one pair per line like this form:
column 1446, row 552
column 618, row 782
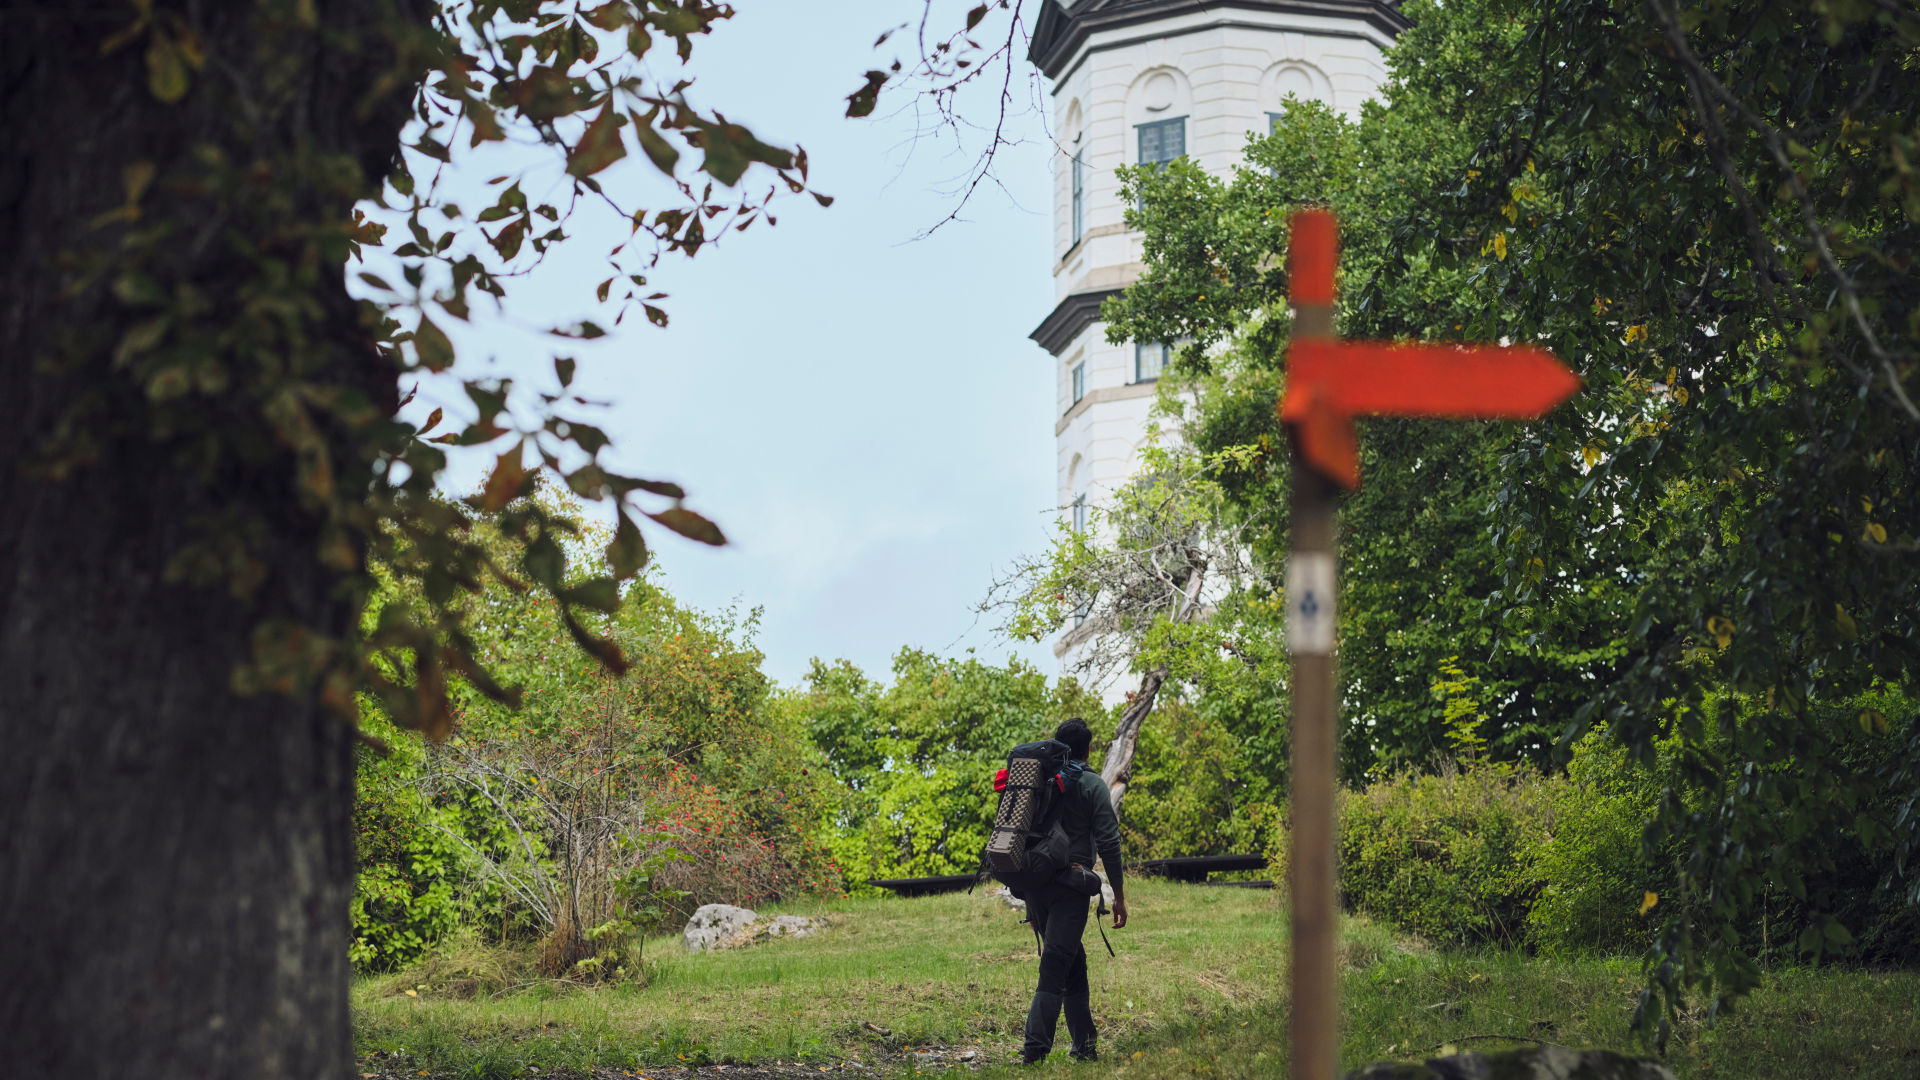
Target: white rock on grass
column 793, row 926
column 723, row 926
column 714, row 925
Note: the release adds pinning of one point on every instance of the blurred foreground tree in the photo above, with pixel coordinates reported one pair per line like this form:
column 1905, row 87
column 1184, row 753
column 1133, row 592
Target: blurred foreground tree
column 205, row 448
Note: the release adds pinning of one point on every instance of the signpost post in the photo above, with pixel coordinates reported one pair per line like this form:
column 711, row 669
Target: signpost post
column 1329, row 382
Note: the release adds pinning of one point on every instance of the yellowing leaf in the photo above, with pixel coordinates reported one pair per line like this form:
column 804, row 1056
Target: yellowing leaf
column 135, row 178
column 1844, row 623
column 1721, row 629
column 1647, row 902
column 1637, row 332
column 166, row 69
column 1876, row 532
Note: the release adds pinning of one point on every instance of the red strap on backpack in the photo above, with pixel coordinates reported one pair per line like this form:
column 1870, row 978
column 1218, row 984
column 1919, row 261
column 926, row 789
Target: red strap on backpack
column 1000, row 780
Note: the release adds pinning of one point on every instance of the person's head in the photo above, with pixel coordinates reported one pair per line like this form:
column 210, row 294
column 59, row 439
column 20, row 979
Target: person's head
column 1077, row 735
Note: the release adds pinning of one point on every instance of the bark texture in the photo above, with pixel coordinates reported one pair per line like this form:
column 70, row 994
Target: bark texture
column 175, row 861
column 1117, row 767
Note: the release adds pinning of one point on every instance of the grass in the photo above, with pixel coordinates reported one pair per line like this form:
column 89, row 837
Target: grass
column 1197, row 990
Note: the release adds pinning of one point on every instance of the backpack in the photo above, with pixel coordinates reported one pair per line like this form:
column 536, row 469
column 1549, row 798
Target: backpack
column 1028, row 846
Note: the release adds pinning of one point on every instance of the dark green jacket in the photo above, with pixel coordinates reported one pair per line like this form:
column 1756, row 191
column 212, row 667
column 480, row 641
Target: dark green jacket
column 1087, row 814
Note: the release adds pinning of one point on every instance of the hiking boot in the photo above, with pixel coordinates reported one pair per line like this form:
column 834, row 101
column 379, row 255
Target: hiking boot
column 1084, row 1054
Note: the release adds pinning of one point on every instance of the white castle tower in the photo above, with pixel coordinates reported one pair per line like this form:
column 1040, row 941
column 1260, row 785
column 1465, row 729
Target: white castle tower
column 1144, row 81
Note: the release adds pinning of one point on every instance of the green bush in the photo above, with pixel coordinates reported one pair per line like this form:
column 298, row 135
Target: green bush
column 1594, row 874
column 1448, row 856
column 404, row 896
column 1192, row 792
column 915, row 760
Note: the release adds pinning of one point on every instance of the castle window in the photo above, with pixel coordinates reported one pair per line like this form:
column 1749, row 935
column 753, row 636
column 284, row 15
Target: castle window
column 1163, row 140
column 1150, row 359
column 1079, row 381
column 1273, row 122
column 1080, row 512
column 1079, row 195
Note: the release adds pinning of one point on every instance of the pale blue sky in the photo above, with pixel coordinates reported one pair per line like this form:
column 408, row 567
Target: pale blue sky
column 860, row 410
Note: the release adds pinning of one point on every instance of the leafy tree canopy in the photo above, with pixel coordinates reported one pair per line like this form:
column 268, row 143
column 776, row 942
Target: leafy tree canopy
column 1709, row 212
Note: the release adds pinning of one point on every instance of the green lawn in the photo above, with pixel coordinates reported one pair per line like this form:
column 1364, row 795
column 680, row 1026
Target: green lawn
column 1198, row 989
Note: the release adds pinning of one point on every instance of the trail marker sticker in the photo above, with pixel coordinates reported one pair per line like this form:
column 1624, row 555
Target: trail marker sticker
column 1310, row 602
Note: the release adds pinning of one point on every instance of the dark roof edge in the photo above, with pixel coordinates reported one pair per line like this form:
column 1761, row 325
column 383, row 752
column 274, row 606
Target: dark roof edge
column 1069, row 317
column 1059, row 36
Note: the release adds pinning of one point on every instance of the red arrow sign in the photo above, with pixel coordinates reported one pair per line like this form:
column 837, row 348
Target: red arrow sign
column 1329, row 382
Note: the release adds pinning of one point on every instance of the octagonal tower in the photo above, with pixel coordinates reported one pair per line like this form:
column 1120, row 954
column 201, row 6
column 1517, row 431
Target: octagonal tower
column 1144, row 81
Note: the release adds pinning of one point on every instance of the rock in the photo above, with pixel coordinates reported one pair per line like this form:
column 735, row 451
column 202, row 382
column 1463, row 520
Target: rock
column 1544, row 1062
column 794, row 926
column 723, row 926
column 713, row 926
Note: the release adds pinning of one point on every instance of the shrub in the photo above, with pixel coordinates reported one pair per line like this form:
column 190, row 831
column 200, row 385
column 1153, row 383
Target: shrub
column 1448, row 856
column 915, row 760
column 1593, row 871
column 1190, row 792
column 405, row 896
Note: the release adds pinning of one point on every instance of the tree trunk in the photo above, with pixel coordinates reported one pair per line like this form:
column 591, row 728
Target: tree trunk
column 1117, row 768
column 175, row 861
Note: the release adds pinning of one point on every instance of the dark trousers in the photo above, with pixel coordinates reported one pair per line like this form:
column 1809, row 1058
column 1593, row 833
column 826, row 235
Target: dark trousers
column 1060, row 917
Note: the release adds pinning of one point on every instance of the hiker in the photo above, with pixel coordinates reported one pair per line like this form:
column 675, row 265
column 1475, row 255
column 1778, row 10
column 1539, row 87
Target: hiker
column 1058, row 911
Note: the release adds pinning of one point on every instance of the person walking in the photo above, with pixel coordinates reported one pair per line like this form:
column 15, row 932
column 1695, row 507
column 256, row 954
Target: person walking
column 1058, row 911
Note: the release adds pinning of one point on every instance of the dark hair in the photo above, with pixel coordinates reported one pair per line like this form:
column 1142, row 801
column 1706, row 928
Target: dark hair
column 1077, row 735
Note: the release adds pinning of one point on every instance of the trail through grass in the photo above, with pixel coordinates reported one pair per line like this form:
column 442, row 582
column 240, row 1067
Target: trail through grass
column 1197, row 990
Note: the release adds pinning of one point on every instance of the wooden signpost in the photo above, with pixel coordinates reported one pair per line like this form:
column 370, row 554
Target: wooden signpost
column 1329, row 382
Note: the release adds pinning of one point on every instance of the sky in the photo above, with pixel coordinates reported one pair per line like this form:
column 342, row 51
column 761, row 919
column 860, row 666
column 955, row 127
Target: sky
column 855, row 403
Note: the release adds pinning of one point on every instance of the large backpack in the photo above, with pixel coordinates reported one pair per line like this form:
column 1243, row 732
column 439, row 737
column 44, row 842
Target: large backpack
column 1028, row 846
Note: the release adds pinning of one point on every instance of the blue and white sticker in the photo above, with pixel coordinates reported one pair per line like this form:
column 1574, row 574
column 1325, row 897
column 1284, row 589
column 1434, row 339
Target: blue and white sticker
column 1310, row 593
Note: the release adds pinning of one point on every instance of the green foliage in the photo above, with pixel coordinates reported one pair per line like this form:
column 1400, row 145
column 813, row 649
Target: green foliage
column 1576, row 863
column 916, row 760
column 407, row 891
column 604, row 805
column 1181, row 799
column 1448, row 856
column 1709, row 212
column 1418, row 562
column 1595, row 875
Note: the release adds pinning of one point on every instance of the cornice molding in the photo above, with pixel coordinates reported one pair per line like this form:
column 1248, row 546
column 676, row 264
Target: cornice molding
column 1101, row 397
column 1070, row 316
column 1061, row 33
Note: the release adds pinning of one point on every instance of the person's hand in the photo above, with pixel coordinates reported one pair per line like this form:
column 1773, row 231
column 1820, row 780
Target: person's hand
column 1119, row 913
